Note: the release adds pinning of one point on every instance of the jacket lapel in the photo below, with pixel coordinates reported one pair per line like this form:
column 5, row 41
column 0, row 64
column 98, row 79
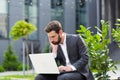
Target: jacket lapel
column 68, row 44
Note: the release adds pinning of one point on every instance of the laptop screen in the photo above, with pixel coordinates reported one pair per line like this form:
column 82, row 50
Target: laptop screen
column 44, row 63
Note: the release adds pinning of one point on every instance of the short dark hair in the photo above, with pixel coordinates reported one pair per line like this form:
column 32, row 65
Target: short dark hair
column 53, row 26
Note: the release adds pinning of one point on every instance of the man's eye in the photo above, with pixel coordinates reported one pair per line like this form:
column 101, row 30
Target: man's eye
column 53, row 36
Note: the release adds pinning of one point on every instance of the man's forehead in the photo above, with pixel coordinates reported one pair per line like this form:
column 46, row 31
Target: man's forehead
column 52, row 33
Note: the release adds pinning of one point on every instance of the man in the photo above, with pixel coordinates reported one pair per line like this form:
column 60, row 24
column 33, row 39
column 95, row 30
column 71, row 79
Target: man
column 70, row 52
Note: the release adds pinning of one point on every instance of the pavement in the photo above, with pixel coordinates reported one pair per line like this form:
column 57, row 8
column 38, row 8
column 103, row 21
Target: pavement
column 114, row 76
column 110, row 73
column 7, row 73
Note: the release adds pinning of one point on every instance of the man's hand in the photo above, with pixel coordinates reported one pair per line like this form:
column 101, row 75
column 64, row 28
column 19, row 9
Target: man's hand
column 65, row 68
column 54, row 48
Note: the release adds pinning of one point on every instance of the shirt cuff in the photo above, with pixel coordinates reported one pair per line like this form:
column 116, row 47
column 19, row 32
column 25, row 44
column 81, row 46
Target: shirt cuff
column 73, row 68
column 54, row 55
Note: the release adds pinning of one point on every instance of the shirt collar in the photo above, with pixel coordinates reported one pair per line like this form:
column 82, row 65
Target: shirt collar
column 64, row 42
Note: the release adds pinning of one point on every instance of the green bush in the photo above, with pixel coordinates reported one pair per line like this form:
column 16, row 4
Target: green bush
column 10, row 61
column 20, row 67
column 97, row 44
column 116, row 32
column 46, row 49
column 21, row 28
column 2, row 68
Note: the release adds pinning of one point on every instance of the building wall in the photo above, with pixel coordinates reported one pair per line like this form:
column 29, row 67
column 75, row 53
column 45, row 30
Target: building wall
column 3, row 47
column 91, row 14
column 69, row 16
column 110, row 12
column 16, row 12
column 44, row 18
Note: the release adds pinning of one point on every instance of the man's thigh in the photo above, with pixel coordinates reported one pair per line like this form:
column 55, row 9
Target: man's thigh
column 46, row 77
column 71, row 76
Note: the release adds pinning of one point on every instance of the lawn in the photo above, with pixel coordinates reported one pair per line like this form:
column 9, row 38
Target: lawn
column 17, row 77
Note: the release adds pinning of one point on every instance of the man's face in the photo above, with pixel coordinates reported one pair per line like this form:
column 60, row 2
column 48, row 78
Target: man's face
column 54, row 37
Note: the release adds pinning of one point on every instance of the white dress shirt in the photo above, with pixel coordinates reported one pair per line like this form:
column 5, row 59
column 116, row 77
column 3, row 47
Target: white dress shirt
column 64, row 49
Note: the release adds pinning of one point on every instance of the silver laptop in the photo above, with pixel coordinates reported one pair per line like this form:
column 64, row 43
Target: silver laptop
column 44, row 63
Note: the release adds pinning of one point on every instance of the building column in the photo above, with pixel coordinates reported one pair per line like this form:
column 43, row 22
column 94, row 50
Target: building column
column 91, row 14
column 16, row 8
column 44, row 17
column 69, row 16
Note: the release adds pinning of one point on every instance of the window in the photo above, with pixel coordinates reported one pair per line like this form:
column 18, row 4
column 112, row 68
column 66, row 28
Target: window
column 31, row 15
column 57, row 10
column 3, row 19
column 80, row 13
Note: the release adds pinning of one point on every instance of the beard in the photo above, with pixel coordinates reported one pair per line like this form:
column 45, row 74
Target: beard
column 57, row 42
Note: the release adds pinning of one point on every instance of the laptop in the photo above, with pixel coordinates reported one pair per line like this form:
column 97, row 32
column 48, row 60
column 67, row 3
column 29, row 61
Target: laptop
column 44, row 63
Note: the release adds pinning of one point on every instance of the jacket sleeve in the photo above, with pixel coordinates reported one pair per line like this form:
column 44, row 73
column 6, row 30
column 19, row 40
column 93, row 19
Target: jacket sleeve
column 82, row 62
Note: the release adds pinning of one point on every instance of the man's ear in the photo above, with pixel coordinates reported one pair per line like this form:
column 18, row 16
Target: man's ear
column 60, row 32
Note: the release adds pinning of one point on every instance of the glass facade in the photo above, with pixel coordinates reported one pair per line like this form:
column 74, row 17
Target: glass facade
column 57, row 10
column 3, row 19
column 81, row 14
column 31, row 15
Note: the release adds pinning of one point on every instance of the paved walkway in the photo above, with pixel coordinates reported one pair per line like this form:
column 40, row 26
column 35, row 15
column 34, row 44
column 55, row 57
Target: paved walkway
column 16, row 73
column 113, row 75
column 8, row 73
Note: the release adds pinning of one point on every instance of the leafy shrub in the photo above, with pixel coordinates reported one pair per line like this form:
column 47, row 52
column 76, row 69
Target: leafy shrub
column 2, row 68
column 97, row 44
column 20, row 67
column 10, row 61
column 21, row 28
column 46, row 49
column 116, row 32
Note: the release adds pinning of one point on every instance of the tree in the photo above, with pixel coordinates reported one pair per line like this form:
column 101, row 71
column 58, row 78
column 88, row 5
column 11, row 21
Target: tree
column 21, row 29
column 10, row 62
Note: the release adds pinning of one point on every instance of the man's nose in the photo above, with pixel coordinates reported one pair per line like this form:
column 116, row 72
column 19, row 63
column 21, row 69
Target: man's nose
column 51, row 39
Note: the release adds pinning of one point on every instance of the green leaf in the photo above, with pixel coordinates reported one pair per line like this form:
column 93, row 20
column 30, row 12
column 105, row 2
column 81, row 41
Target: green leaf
column 97, row 45
column 20, row 29
column 118, row 20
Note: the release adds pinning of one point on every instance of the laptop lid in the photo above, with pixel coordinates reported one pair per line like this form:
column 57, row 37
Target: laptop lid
column 44, row 63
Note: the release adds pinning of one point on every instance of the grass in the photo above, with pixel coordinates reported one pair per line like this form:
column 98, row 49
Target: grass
column 17, row 77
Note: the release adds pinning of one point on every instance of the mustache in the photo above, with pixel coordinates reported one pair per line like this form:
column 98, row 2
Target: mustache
column 55, row 43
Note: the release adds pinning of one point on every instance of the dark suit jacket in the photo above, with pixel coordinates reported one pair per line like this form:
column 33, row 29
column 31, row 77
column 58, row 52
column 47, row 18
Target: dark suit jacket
column 77, row 53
